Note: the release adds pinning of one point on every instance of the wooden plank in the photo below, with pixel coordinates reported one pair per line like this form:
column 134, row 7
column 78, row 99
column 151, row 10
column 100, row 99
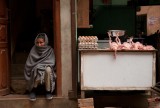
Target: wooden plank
column 74, row 49
column 3, row 33
column 3, row 9
column 86, row 103
column 83, row 14
column 4, row 71
column 4, row 53
column 57, row 45
column 88, row 107
column 85, row 100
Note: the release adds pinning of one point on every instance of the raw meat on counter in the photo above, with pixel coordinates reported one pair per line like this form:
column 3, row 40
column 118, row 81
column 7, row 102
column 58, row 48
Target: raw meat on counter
column 129, row 45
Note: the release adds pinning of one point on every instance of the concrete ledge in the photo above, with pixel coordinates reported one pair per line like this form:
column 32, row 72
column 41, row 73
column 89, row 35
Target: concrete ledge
column 22, row 101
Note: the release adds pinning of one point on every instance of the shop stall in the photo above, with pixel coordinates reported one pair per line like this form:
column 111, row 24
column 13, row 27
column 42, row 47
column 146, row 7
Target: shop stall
column 127, row 70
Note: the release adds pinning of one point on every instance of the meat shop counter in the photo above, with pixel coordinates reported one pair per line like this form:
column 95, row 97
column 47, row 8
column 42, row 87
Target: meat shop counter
column 126, row 70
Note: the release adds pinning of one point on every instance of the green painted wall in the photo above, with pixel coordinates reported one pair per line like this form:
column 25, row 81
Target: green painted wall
column 115, row 18
column 111, row 17
column 112, row 2
column 119, row 2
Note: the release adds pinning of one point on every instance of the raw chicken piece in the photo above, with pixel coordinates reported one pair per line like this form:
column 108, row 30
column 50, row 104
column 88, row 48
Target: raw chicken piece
column 126, row 46
column 114, row 45
column 137, row 46
column 148, row 47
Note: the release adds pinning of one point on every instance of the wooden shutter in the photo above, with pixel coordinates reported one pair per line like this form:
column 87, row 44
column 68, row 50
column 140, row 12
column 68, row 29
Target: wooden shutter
column 4, row 55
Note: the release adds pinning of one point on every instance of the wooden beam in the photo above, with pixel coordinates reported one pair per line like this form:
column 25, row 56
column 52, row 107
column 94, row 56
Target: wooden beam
column 83, row 14
column 86, row 103
column 57, row 45
column 74, row 50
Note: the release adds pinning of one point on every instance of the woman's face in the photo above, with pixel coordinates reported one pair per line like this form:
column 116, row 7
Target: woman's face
column 40, row 42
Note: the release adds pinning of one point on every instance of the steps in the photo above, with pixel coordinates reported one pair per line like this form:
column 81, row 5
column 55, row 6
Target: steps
column 17, row 71
column 18, row 83
column 18, row 86
column 22, row 101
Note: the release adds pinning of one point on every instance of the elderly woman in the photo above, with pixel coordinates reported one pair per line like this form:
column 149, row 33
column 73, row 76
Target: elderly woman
column 39, row 67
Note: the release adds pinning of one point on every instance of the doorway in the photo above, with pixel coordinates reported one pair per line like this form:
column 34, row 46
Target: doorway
column 141, row 25
column 27, row 19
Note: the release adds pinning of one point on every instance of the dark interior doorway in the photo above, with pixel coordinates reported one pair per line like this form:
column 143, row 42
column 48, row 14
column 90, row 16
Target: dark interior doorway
column 27, row 18
column 141, row 24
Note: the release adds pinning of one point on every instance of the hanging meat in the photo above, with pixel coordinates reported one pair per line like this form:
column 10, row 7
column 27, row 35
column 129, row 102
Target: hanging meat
column 114, row 45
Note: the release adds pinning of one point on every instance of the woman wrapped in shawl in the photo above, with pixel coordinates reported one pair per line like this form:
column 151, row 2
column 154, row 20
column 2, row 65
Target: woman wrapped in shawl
column 39, row 67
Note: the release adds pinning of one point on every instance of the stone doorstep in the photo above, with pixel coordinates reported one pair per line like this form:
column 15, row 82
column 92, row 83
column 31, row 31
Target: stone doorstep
column 22, row 101
column 19, row 86
column 20, row 97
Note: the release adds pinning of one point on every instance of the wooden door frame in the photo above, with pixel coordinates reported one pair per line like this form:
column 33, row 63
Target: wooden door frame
column 74, row 49
column 57, row 45
column 4, row 50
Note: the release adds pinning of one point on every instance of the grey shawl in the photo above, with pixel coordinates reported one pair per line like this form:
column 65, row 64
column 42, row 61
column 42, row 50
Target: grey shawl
column 38, row 59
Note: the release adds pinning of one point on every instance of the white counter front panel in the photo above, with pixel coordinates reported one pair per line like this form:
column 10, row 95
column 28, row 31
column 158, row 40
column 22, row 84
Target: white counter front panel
column 128, row 71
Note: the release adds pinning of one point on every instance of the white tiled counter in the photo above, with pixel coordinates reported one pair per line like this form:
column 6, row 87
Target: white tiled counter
column 130, row 70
